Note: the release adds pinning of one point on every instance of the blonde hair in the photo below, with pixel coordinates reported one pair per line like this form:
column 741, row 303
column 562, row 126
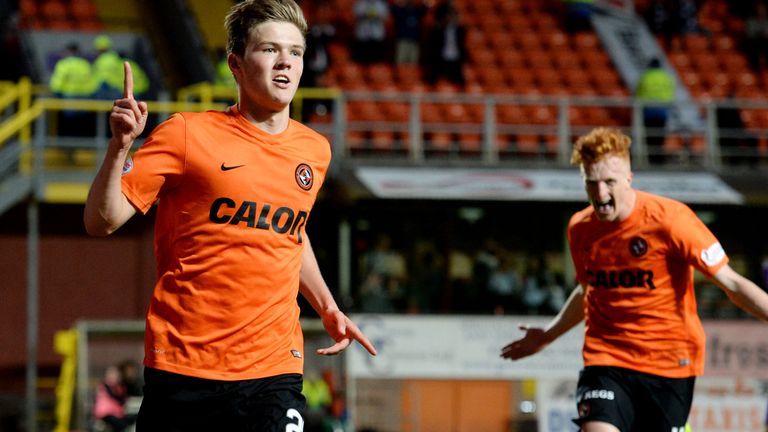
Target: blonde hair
column 599, row 143
column 246, row 15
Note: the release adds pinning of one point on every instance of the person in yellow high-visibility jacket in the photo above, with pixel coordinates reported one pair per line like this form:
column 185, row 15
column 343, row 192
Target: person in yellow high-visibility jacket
column 656, row 89
column 73, row 78
column 108, row 69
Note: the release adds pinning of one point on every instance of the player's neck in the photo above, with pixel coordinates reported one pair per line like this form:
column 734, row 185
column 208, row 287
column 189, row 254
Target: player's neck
column 268, row 121
column 630, row 202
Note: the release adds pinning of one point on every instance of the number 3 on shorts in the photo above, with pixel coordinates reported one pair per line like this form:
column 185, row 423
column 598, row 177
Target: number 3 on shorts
column 294, row 415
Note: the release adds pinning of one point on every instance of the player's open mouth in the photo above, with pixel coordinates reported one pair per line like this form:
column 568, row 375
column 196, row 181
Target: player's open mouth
column 282, row 79
column 604, row 207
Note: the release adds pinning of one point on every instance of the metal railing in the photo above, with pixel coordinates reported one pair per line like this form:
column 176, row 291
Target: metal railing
column 405, row 128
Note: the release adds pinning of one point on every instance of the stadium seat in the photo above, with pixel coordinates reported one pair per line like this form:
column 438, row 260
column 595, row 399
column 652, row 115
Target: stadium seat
column 439, row 142
column 526, row 144
column 83, row 11
column 364, row 111
column 379, row 76
column 510, row 114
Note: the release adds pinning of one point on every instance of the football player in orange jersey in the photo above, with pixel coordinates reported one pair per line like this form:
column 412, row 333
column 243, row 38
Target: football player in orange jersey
column 234, row 189
column 634, row 254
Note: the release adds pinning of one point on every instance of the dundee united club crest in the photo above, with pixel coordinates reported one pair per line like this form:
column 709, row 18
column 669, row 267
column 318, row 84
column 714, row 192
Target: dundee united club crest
column 638, row 246
column 304, row 176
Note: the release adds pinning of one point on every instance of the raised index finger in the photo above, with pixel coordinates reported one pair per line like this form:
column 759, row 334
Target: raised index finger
column 128, row 81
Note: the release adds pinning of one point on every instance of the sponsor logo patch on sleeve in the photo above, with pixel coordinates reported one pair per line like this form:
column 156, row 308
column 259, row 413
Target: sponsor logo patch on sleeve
column 713, row 254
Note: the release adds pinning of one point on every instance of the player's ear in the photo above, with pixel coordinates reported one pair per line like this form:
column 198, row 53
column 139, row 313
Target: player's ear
column 233, row 61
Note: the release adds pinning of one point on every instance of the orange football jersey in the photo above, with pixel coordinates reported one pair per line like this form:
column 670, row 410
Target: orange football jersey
column 233, row 201
column 640, row 307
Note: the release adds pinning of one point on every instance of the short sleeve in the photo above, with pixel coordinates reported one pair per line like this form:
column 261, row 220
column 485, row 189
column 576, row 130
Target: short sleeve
column 157, row 165
column 695, row 242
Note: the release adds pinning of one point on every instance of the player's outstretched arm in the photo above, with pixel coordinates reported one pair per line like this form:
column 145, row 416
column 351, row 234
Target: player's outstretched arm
column 743, row 292
column 106, row 208
column 341, row 329
column 537, row 338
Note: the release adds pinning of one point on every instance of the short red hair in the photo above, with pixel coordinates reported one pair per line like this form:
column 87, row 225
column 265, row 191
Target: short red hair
column 599, row 143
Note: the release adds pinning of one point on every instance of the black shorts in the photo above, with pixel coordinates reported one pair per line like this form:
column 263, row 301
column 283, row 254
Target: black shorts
column 633, row 401
column 174, row 402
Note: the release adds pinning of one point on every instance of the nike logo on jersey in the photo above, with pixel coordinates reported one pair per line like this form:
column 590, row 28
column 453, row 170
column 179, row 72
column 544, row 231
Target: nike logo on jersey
column 227, row 168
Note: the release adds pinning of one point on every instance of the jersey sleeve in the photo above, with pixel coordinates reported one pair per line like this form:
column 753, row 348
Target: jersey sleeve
column 573, row 244
column 157, row 164
column 695, row 242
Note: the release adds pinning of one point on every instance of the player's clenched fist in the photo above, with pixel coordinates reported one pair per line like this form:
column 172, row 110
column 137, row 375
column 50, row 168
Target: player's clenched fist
column 128, row 116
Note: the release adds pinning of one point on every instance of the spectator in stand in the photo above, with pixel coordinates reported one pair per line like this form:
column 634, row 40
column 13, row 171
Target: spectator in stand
column 131, row 376
column 688, row 17
column 319, row 398
column 505, row 286
column 537, row 281
column 656, row 89
column 375, row 296
column 371, row 17
column 317, row 61
column 73, row 78
column 317, row 58
column 108, row 68
column 427, row 281
column 408, row 16
column 660, row 21
column 756, row 36
column 446, row 47
column 578, row 15
column 109, row 406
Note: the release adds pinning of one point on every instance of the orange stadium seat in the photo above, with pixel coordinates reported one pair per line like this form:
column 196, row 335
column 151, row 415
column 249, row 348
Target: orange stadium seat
column 705, row 61
column 510, row 59
column 83, row 10
column 510, row 114
column 519, row 23
column 542, row 114
column 395, row 111
column 566, row 60
column 543, row 22
column 695, row 43
column 383, row 140
column 431, row 113
column 356, row 141
column 528, row 41
column 526, row 144
column 490, row 77
column 594, row 58
column 364, row 111
column 539, row 60
column 483, row 55
column 557, row 40
column 470, row 143
column 733, row 61
column 586, row 41
column 549, row 81
column 380, row 74
column 500, row 40
column 439, row 142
